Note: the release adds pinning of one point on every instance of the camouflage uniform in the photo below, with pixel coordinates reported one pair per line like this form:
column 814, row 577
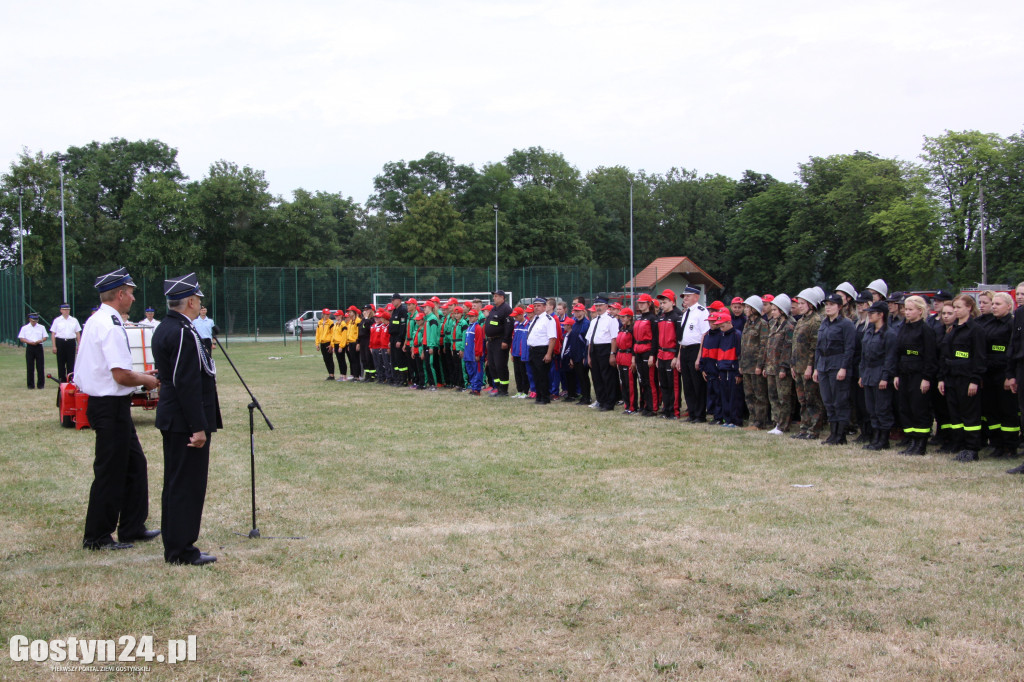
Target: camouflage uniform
column 753, row 346
column 805, row 340
column 780, row 391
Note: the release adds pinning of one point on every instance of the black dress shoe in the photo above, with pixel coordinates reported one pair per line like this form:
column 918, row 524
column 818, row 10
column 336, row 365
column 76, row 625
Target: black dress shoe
column 146, row 536
column 109, row 545
column 200, row 560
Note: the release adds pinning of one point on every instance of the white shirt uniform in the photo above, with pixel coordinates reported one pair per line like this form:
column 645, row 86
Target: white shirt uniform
column 65, row 328
column 104, row 348
column 694, row 325
column 33, row 332
column 542, row 328
column 603, row 329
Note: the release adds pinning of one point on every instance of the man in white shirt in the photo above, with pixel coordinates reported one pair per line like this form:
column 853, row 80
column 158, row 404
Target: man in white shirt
column 66, row 333
column 600, row 340
column 149, row 321
column 693, row 327
column 119, row 497
column 541, row 339
column 33, row 335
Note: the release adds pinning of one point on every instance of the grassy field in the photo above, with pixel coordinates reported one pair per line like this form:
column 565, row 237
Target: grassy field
column 445, row 536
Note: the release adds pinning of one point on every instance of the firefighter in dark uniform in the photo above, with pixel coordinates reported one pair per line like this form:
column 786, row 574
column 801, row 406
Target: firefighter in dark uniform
column 961, row 368
column 998, row 404
column 498, row 328
column 1015, row 360
column 187, row 414
column 396, row 341
column 917, row 366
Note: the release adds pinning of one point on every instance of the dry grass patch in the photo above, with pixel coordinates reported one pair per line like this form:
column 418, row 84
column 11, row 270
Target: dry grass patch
column 451, row 537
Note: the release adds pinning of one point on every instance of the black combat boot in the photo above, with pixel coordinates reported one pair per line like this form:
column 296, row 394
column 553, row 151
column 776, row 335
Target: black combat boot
column 867, row 434
column 841, row 433
column 833, row 434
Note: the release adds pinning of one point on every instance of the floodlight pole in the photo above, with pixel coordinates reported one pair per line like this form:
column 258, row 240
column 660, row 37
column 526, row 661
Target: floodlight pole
column 21, row 249
column 495, row 247
column 632, row 276
column 63, row 249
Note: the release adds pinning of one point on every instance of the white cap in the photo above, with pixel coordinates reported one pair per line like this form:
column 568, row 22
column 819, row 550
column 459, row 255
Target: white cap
column 847, row 289
column 756, row 303
column 783, row 303
column 881, row 287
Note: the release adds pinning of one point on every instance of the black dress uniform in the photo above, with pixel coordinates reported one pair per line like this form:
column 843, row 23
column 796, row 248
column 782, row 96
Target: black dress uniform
column 1015, row 366
column 396, row 337
column 188, row 404
column 877, row 364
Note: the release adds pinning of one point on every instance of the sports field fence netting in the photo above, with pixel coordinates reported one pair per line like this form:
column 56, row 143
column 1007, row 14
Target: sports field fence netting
column 255, row 303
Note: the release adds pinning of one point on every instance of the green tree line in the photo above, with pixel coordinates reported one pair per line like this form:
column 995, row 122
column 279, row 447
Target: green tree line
column 852, row 217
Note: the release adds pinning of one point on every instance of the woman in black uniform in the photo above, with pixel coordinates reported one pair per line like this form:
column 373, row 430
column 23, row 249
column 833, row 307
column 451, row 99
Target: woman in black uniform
column 961, row 368
column 917, row 365
column 998, row 404
column 877, row 369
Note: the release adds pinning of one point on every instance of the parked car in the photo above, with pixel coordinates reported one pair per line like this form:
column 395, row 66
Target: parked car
column 304, row 324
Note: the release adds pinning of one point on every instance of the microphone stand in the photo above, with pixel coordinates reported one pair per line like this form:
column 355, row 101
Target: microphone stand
column 253, row 405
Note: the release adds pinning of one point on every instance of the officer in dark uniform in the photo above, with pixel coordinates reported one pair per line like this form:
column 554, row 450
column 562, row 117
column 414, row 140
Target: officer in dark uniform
column 396, row 341
column 498, row 328
column 187, row 414
column 1015, row 359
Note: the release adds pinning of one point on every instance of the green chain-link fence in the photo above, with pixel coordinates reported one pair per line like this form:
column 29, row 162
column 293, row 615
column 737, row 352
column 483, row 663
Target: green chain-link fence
column 257, row 302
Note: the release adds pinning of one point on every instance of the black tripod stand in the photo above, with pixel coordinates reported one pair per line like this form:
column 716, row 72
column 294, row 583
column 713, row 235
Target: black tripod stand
column 253, row 405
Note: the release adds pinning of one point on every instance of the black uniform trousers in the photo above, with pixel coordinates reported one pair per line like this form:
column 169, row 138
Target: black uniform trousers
column 353, row 360
column 627, row 384
column 65, row 358
column 522, row 378
column 541, row 381
column 965, row 413
column 325, row 350
column 835, row 394
column 695, row 389
column 878, row 406
column 646, row 378
column 367, row 361
column 339, row 353
column 915, row 407
column 34, row 361
column 605, row 377
column 399, row 361
column 999, row 411
column 497, row 363
column 185, row 474
column 119, row 497
column 582, row 373
column 668, row 385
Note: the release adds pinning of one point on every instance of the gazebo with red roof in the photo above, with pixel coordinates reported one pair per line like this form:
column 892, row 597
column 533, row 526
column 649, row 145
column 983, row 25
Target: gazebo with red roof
column 675, row 273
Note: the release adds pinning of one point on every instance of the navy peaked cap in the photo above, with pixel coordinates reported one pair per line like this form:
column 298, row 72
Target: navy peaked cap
column 113, row 280
column 182, row 287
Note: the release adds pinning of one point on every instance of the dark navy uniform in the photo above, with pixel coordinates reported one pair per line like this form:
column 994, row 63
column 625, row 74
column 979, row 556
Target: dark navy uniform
column 961, row 363
column 188, row 404
column 498, row 328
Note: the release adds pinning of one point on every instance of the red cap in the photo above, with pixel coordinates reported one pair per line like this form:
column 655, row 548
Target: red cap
column 736, row 300
column 453, row 301
column 390, row 307
column 467, row 304
column 338, row 313
column 326, row 311
column 379, row 313
column 626, row 311
column 579, row 306
column 645, row 298
column 717, row 305
column 593, row 308
column 518, row 311
column 669, row 294
column 411, row 301
column 569, row 321
column 352, row 308
column 445, row 306
column 488, row 307
column 386, row 315
column 767, row 298
column 435, row 299
column 472, row 312
column 529, row 309
column 617, row 306
column 419, row 316
column 458, row 309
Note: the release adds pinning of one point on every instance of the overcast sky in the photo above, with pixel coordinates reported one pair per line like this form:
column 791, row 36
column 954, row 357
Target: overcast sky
column 321, row 95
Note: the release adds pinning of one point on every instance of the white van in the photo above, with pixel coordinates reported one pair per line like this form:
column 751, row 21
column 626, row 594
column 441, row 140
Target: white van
column 304, row 324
